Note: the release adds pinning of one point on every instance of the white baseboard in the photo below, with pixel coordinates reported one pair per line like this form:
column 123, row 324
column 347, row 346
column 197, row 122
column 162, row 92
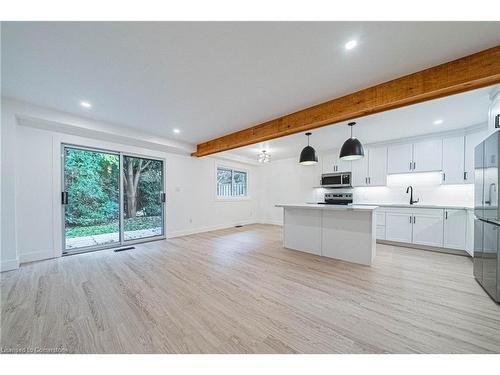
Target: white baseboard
column 272, row 222
column 187, row 232
column 33, row 256
column 8, row 265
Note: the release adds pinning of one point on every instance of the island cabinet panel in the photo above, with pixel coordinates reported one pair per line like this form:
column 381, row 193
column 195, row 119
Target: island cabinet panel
column 345, row 232
column 302, row 230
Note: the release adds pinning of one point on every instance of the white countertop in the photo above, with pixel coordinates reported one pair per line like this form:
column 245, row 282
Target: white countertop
column 416, row 205
column 333, row 207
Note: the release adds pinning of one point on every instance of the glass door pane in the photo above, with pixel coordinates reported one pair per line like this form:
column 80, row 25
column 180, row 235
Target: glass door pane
column 92, row 198
column 142, row 198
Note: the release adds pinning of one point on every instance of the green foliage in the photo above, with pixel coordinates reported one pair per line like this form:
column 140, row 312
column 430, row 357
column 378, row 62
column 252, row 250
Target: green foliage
column 135, row 223
column 92, row 183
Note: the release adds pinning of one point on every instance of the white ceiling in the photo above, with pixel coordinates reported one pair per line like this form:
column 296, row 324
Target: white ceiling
column 456, row 112
column 211, row 78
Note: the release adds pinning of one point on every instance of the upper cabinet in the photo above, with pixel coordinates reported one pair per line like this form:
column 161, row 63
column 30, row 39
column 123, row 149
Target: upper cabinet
column 420, row 156
column 372, row 169
column 400, row 158
column 453, row 160
column 453, row 155
column 427, row 155
column 331, row 163
column 471, row 141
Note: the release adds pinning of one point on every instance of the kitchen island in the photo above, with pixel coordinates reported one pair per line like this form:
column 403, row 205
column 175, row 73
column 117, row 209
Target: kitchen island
column 345, row 232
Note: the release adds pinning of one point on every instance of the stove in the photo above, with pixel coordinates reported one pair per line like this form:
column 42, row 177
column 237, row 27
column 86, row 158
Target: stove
column 337, row 198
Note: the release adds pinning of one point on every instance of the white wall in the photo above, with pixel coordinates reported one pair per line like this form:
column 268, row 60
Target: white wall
column 286, row 181
column 9, row 259
column 32, row 180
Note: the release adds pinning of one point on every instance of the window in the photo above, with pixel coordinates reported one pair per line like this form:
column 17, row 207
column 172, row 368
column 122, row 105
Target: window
column 231, row 183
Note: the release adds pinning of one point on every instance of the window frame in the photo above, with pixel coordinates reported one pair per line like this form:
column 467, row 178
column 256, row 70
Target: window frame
column 233, row 169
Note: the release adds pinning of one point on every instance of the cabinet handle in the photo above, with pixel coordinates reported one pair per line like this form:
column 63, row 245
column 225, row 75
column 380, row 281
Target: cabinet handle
column 444, row 176
column 465, row 175
column 369, row 181
column 410, row 165
column 414, row 219
column 446, row 215
column 414, row 165
column 410, row 219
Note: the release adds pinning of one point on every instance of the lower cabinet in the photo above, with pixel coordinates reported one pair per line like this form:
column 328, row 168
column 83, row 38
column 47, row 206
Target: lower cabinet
column 428, row 227
column 398, row 226
column 424, row 226
column 455, row 229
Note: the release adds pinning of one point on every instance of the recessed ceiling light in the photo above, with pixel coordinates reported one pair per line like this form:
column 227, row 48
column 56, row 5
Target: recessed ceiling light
column 85, row 104
column 438, row 122
column 176, row 131
column 351, row 44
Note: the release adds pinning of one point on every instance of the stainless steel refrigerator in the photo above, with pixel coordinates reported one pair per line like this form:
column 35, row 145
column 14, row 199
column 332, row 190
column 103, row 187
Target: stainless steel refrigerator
column 487, row 215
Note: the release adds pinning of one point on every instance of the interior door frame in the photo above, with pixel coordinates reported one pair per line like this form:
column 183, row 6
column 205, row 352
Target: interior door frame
column 121, row 231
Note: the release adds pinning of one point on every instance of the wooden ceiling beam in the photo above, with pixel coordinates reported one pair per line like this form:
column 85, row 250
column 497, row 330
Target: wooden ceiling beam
column 467, row 73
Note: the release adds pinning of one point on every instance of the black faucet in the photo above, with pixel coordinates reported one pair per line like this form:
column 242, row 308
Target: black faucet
column 410, row 189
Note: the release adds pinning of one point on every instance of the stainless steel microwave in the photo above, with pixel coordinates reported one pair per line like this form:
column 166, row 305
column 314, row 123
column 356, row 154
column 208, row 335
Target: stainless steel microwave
column 336, row 180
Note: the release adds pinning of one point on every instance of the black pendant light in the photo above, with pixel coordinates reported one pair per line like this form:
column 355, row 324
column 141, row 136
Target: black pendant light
column 308, row 154
column 352, row 149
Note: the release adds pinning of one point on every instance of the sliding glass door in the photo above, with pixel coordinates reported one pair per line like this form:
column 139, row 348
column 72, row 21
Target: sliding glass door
column 143, row 198
column 110, row 198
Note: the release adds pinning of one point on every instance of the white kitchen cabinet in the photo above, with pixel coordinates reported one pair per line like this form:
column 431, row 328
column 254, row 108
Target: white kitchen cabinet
column 341, row 165
column 398, row 226
column 380, row 221
column 331, row 163
column 455, row 229
column 469, row 243
column 328, row 163
column 471, row 141
column 377, row 166
column 371, row 170
column 399, row 158
column 360, row 171
column 419, row 156
column 428, row 227
column 427, row 155
column 453, row 160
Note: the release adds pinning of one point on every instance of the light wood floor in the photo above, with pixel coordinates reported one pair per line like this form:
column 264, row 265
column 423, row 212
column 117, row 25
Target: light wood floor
column 239, row 291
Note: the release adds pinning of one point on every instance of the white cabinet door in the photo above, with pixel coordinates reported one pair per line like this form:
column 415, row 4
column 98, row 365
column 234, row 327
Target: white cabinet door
column 428, row 227
column 380, row 234
column 453, row 160
column 328, row 163
column 377, row 166
column 455, row 229
column 360, row 171
column 398, row 226
column 342, row 166
column 428, row 155
column 399, row 158
column 469, row 242
column 471, row 141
